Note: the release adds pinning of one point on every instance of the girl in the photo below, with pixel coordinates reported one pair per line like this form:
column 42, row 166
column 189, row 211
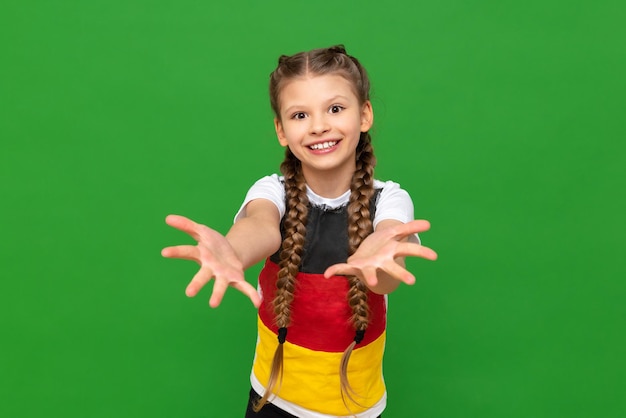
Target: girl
column 333, row 239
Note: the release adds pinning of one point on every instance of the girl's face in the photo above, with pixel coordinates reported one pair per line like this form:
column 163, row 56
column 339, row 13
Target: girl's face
column 321, row 120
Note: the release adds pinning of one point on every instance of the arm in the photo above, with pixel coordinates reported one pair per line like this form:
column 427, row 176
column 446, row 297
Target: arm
column 379, row 260
column 256, row 236
column 224, row 258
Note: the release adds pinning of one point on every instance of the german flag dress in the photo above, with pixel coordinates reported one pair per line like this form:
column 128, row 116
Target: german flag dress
column 321, row 329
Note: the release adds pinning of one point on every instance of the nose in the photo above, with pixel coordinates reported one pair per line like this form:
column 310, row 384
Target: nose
column 319, row 124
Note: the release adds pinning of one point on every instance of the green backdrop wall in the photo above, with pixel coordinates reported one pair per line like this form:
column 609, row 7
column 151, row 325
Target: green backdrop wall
column 504, row 120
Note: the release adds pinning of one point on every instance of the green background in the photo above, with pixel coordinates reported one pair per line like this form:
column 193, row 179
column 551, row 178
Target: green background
column 504, row 120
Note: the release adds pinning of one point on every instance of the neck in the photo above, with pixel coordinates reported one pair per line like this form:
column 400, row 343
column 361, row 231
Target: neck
column 329, row 184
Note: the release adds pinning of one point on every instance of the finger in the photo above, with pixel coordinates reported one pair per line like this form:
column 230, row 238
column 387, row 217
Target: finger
column 199, row 280
column 409, row 228
column 183, row 224
column 369, row 275
column 399, row 273
column 404, row 249
column 340, row 269
column 185, row 252
column 248, row 290
column 219, row 289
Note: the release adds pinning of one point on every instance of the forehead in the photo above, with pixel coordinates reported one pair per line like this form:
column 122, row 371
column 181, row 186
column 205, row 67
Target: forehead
column 315, row 88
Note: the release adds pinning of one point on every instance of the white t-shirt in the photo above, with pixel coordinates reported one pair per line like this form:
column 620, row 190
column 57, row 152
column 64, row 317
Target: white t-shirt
column 393, row 202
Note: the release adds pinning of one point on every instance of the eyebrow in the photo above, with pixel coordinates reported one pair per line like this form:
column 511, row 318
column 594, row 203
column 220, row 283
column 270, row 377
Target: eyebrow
column 329, row 100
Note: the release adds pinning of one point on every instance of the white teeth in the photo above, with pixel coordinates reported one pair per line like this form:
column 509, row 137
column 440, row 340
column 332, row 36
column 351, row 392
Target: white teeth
column 324, row 145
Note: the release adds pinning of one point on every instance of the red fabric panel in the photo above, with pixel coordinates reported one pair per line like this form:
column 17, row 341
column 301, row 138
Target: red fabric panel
column 320, row 318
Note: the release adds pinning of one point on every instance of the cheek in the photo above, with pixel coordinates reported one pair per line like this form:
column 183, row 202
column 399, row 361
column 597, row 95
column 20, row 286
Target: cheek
column 291, row 133
column 354, row 125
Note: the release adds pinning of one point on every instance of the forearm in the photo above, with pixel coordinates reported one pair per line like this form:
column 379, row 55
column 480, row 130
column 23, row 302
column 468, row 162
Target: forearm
column 257, row 235
column 253, row 241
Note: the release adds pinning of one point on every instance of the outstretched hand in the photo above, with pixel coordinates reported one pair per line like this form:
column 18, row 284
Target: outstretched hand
column 216, row 258
column 377, row 253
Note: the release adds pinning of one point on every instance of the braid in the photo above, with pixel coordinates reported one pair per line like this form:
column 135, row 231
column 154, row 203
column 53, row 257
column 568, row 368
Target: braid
column 359, row 227
column 291, row 254
column 360, row 223
column 362, row 190
column 295, row 230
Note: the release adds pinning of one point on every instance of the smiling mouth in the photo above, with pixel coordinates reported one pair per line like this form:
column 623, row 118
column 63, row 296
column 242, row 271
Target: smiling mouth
column 323, row 145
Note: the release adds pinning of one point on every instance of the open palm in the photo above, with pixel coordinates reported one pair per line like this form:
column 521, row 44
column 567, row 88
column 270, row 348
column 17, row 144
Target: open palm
column 216, row 258
column 378, row 252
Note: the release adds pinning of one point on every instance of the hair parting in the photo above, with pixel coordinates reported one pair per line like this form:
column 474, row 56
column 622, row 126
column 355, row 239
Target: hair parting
column 333, row 60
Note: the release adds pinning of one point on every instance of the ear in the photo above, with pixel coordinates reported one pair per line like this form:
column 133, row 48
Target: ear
column 367, row 116
column 280, row 133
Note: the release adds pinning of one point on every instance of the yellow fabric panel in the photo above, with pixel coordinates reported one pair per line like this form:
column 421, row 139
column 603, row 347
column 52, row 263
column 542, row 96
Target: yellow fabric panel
column 311, row 378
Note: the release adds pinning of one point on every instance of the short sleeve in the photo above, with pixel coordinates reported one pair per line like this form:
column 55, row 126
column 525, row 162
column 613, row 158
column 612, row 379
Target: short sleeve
column 394, row 203
column 270, row 188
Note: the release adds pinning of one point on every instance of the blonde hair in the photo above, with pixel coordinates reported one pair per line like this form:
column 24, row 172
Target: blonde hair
column 333, row 60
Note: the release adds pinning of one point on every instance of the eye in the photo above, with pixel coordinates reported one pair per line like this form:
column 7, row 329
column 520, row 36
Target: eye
column 335, row 108
column 298, row 115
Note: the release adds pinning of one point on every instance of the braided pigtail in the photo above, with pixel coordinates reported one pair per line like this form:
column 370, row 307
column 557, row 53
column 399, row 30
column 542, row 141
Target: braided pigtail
column 291, row 254
column 359, row 227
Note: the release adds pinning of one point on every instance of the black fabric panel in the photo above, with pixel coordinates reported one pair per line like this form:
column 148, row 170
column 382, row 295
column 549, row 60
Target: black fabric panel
column 326, row 241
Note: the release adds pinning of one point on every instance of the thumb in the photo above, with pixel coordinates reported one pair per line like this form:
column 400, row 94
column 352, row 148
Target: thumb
column 339, row 269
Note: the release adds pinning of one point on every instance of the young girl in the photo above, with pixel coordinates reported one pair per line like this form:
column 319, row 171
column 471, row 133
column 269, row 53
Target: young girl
column 333, row 239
